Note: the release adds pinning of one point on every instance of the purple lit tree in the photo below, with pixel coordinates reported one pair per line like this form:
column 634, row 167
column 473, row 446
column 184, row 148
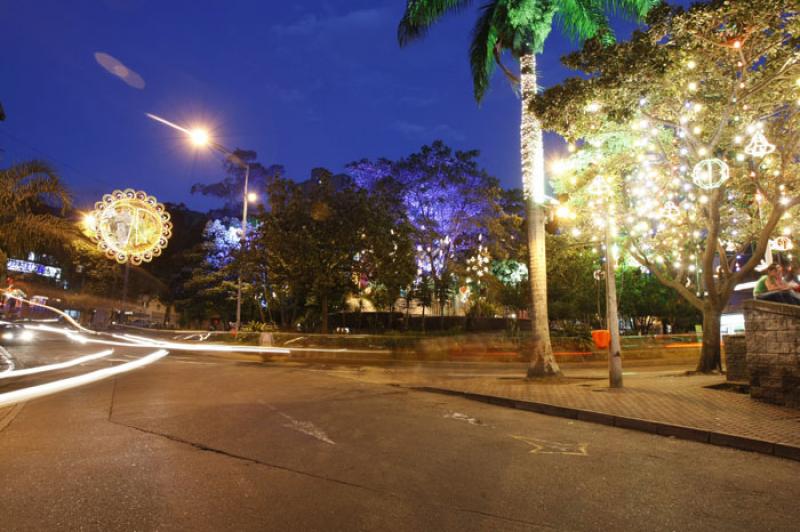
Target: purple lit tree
column 448, row 200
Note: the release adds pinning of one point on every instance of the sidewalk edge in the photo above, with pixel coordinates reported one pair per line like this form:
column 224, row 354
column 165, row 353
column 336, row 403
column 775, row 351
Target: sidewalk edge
column 681, row 432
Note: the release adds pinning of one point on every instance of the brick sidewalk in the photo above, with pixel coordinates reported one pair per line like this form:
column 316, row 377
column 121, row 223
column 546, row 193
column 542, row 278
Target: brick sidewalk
column 669, row 398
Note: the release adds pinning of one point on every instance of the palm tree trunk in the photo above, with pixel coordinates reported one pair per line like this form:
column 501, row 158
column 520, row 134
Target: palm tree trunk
column 542, row 360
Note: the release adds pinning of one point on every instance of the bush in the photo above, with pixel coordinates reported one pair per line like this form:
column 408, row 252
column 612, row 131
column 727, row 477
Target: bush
column 257, row 327
column 482, row 309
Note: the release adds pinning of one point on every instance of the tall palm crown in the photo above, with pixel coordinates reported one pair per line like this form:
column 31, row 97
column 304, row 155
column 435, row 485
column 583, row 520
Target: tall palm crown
column 518, row 26
column 31, row 194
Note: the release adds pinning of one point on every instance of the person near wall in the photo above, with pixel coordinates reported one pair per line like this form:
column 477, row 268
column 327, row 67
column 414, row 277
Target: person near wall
column 773, row 287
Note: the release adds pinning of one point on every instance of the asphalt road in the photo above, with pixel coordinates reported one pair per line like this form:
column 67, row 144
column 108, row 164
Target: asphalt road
column 199, row 443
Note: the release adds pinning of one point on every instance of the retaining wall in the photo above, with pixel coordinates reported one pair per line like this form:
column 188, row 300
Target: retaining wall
column 773, row 351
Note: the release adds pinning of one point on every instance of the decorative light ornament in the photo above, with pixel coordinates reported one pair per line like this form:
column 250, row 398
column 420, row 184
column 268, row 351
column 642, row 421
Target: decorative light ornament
column 759, row 146
column 709, row 174
column 129, row 226
column 670, row 211
column 782, row 243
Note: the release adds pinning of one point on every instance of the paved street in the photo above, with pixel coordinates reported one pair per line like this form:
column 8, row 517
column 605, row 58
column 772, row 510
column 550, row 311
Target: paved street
column 197, row 443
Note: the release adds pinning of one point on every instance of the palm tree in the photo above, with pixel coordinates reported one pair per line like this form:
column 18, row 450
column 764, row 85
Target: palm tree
column 31, row 194
column 520, row 27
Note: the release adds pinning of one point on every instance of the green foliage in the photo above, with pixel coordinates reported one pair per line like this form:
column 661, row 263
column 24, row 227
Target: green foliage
column 231, row 188
column 316, row 236
column 482, row 308
column 257, row 327
column 572, row 291
column 642, row 299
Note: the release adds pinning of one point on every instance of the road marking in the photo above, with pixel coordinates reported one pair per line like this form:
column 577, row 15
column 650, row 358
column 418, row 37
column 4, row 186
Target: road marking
column 32, row 392
column 462, row 417
column 53, row 367
column 306, row 427
column 552, row 447
column 10, row 416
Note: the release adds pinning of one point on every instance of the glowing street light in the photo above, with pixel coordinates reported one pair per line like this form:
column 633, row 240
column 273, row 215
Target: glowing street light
column 200, row 138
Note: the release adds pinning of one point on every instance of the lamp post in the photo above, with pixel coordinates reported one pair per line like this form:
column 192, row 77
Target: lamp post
column 200, row 138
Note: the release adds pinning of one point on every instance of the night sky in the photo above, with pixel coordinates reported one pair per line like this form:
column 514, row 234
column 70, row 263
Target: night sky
column 305, row 83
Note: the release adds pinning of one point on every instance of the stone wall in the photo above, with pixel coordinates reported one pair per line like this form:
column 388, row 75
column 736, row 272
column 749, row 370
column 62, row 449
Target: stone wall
column 773, row 351
column 736, row 357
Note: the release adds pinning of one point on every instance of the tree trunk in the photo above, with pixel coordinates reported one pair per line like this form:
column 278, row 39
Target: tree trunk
column 324, row 300
column 710, row 356
column 614, row 348
column 532, row 151
column 423, row 318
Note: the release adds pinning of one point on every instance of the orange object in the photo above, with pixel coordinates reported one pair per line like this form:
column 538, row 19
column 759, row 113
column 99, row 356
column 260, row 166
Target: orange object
column 602, row 338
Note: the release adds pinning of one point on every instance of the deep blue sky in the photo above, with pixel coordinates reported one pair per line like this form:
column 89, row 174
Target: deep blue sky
column 304, row 83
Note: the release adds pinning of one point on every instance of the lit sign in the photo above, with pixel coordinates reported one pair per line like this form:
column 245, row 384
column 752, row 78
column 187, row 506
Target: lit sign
column 26, row 266
column 130, row 226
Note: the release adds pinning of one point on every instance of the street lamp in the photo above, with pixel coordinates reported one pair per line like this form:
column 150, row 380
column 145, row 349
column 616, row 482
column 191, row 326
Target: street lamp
column 200, row 138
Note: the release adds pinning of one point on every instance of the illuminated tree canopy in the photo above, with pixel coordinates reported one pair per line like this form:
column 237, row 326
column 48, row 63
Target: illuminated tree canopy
column 447, row 199
column 686, row 140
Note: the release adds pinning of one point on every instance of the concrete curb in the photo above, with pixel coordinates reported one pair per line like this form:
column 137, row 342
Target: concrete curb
column 681, row 432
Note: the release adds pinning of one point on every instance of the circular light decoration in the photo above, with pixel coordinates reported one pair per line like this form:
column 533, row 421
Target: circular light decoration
column 670, row 211
column 710, row 173
column 782, row 243
column 759, row 146
column 130, row 226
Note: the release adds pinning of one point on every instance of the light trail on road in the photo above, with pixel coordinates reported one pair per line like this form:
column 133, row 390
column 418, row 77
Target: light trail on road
column 41, row 390
column 56, row 366
column 57, row 311
column 182, row 346
column 141, row 341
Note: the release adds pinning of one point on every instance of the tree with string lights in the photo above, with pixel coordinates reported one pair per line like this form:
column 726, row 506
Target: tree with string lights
column 706, row 104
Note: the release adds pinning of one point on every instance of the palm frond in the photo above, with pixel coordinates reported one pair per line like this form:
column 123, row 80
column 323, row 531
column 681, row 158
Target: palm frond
column 482, row 56
column 584, row 19
column 420, row 15
column 636, row 9
column 31, row 183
